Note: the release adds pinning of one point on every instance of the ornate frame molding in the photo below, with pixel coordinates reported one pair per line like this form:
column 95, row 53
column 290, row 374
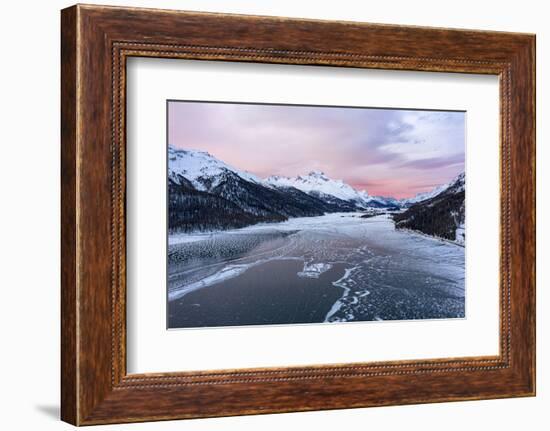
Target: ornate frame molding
column 96, row 41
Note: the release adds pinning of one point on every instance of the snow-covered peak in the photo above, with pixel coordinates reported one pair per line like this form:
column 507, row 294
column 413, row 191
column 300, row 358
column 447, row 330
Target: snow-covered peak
column 318, row 182
column 364, row 194
column 457, row 184
column 201, row 168
column 316, row 174
column 425, row 195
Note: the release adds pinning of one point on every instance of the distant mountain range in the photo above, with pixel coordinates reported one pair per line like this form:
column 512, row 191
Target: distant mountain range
column 207, row 194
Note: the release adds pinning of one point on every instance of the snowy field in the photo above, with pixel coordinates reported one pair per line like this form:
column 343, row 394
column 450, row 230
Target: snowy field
column 340, row 266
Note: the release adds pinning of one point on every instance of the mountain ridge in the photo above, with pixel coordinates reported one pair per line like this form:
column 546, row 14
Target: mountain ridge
column 240, row 198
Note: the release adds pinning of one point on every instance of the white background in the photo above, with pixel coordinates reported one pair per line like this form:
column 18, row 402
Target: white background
column 29, row 224
column 152, row 349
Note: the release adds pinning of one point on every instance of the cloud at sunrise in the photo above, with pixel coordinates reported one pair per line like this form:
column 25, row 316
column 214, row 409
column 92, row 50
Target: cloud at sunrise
column 388, row 152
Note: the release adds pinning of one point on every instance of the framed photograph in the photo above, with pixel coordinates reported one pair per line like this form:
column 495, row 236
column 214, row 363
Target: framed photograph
column 384, row 243
column 264, row 215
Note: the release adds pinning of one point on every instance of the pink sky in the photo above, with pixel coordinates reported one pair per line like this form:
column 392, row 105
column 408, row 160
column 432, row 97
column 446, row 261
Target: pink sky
column 388, row 152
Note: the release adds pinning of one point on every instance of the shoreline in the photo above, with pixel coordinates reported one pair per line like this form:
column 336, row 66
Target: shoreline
column 425, row 235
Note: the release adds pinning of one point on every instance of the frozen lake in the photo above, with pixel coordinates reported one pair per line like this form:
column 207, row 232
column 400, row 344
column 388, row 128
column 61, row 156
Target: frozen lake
column 333, row 268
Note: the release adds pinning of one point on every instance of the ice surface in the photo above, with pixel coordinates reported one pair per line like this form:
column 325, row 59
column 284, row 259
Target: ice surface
column 388, row 274
column 314, row 270
column 343, row 283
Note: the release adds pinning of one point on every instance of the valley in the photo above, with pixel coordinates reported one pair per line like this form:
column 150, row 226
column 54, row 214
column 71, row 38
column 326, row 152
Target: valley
column 244, row 250
column 207, row 195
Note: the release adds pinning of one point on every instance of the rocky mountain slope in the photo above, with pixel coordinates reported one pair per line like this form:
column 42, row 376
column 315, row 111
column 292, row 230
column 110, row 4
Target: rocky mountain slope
column 441, row 215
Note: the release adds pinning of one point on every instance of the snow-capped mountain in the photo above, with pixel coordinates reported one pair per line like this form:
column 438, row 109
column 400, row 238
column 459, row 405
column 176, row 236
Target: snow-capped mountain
column 432, row 193
column 442, row 215
column 458, row 184
column 318, row 184
column 206, row 193
column 202, row 169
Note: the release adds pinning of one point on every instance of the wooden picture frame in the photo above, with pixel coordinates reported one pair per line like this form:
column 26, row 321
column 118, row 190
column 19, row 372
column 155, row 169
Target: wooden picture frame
column 96, row 41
